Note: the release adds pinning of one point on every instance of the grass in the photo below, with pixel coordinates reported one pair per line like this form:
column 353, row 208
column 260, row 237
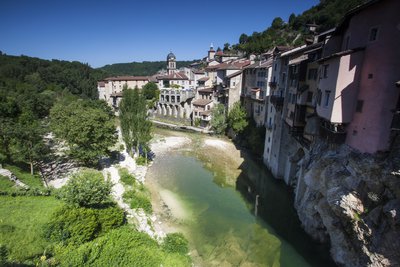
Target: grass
column 126, row 177
column 33, row 181
column 21, row 225
column 6, row 185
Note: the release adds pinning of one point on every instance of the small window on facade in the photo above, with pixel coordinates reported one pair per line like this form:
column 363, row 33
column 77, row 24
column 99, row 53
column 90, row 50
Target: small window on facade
column 373, row 34
column 325, row 71
column 309, row 96
column 359, row 106
column 327, row 96
column 370, row 76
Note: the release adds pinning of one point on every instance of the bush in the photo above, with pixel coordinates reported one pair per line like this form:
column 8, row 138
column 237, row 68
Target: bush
column 126, row 177
column 141, row 201
column 176, row 243
column 86, row 189
column 120, row 247
column 80, row 225
column 141, row 161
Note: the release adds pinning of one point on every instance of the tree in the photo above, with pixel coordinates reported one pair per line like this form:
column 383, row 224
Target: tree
column 86, row 189
column 135, row 127
column 243, row 38
column 226, row 47
column 237, row 118
column 87, row 127
column 28, row 145
column 150, row 91
column 218, row 119
column 277, row 23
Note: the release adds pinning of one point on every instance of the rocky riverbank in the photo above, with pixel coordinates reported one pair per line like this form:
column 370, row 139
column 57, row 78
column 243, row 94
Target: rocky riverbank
column 352, row 200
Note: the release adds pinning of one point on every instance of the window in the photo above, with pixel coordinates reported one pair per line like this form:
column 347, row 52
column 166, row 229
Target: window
column 233, row 84
column 327, row 96
column 312, row 74
column 319, row 97
column 309, row 96
column 373, row 34
column 325, row 71
column 359, row 105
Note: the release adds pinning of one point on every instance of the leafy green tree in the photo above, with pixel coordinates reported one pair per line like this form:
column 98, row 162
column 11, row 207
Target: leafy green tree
column 28, row 145
column 237, row 118
column 243, row 38
column 86, row 189
column 218, row 119
column 135, row 127
column 87, row 127
column 150, row 91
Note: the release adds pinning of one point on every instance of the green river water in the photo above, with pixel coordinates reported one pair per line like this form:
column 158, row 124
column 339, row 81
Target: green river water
column 219, row 220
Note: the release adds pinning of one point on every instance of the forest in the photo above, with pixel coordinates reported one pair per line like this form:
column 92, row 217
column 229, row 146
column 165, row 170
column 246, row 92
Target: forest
column 145, row 68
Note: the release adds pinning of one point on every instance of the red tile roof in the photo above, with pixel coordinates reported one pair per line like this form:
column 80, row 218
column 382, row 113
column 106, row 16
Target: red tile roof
column 203, row 79
column 201, row 102
column 101, row 84
column 174, row 76
column 127, row 78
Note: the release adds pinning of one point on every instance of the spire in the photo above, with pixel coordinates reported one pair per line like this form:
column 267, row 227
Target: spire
column 211, row 47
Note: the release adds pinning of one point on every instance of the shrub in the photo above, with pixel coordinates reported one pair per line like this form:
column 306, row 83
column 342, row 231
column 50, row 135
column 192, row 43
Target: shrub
column 80, row 225
column 141, row 161
column 176, row 243
column 126, row 177
column 138, row 197
column 120, row 247
column 86, row 189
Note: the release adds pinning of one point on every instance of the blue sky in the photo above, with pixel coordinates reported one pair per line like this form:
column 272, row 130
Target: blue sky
column 112, row 31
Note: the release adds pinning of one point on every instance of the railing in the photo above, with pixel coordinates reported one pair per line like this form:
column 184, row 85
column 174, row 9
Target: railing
column 333, row 136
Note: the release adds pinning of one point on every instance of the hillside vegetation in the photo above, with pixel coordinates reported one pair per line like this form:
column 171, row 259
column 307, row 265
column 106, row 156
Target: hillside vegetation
column 294, row 31
column 144, row 68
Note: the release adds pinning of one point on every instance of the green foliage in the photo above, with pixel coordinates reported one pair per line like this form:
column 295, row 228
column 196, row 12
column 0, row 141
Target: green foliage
column 136, row 128
column 87, row 127
column 21, row 224
column 86, row 189
column 197, row 122
column 3, row 255
column 141, row 161
column 33, row 181
column 150, row 91
column 79, row 225
column 218, row 120
column 253, row 137
column 138, row 197
column 327, row 14
column 120, row 247
column 237, row 118
column 126, row 177
column 6, row 185
column 140, row 68
column 176, row 243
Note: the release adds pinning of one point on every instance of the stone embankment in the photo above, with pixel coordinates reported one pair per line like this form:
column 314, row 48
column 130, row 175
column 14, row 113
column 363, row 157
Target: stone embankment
column 352, row 200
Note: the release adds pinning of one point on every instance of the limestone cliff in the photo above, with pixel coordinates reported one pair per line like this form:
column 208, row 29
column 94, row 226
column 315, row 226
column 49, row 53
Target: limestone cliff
column 352, row 200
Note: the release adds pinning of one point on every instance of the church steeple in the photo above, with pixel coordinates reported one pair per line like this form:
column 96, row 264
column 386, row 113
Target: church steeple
column 211, row 53
column 171, row 63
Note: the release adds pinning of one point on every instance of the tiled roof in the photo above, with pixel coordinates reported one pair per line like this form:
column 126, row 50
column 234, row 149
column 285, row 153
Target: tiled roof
column 203, row 79
column 234, row 74
column 116, row 94
column 101, row 84
column 127, row 78
column 205, row 90
column 174, row 76
column 201, row 102
column 198, row 71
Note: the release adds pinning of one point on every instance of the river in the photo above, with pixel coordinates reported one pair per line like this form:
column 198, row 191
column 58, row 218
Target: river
column 218, row 217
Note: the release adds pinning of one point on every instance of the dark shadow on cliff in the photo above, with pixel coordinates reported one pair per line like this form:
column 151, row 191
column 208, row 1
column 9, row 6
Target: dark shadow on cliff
column 275, row 208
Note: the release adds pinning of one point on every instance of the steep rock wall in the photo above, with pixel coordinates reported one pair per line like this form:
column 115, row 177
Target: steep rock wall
column 352, row 200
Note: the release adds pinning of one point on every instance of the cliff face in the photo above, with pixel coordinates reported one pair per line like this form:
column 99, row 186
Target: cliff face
column 352, row 200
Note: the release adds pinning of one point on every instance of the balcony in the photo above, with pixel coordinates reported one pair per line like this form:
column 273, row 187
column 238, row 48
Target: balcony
column 272, row 84
column 333, row 133
column 175, row 96
column 277, row 101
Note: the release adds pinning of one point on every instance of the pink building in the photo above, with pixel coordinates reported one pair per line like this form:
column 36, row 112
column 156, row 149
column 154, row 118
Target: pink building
column 358, row 74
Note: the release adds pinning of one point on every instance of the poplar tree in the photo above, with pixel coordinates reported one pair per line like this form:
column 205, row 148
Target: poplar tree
column 135, row 127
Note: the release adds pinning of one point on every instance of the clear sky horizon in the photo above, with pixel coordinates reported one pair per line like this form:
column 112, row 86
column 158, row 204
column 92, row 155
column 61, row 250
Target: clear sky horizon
column 117, row 31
